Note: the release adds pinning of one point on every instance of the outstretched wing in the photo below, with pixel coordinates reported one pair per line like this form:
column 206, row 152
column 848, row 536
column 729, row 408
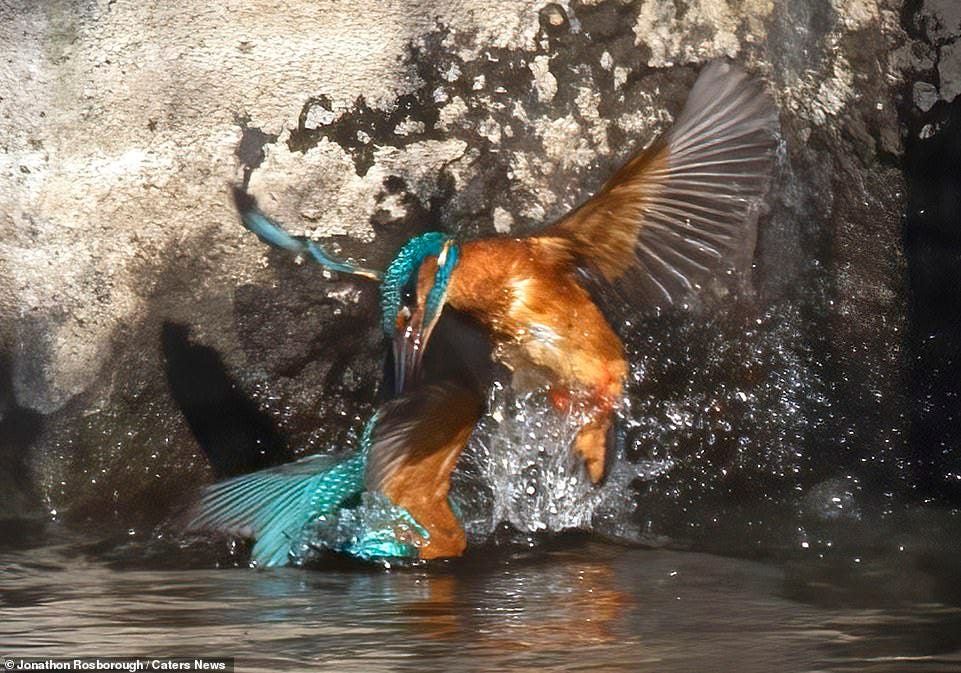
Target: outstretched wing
column 687, row 205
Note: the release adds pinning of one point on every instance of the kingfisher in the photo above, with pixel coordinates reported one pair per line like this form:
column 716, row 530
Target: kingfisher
column 675, row 216
column 359, row 504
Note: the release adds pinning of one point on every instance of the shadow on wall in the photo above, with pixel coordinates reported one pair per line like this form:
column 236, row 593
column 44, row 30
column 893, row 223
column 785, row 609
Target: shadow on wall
column 932, row 232
column 19, row 429
column 236, row 436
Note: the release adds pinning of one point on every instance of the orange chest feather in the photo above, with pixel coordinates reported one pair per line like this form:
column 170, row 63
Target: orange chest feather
column 529, row 303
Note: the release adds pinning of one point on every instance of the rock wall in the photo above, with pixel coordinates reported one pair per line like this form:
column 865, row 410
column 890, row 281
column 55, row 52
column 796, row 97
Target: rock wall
column 933, row 244
column 140, row 323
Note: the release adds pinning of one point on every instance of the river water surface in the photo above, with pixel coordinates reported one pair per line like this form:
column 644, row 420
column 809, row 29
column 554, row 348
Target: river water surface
column 570, row 605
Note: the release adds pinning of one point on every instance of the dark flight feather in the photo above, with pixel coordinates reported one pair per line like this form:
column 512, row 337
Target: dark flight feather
column 686, row 207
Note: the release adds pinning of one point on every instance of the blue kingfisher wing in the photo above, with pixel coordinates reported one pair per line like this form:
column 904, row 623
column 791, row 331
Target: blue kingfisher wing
column 686, row 207
column 418, row 439
column 273, row 505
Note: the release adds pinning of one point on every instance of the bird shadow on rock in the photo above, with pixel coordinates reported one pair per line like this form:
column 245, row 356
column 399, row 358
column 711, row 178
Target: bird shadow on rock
column 19, row 429
column 234, row 433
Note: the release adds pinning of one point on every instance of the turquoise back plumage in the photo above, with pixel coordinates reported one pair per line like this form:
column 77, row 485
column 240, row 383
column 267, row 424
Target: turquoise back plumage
column 404, row 265
column 316, row 502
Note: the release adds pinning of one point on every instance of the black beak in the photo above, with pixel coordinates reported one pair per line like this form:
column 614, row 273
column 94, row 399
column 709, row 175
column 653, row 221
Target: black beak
column 410, row 342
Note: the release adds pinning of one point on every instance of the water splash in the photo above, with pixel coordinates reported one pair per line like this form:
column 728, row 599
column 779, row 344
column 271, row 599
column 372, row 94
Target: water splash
column 719, row 411
column 374, row 530
column 520, row 468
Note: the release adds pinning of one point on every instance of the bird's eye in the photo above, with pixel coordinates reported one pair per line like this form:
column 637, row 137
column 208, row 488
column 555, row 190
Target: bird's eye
column 408, row 294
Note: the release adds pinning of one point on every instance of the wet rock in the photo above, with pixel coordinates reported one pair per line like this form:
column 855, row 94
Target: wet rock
column 925, row 95
column 369, row 122
column 941, row 20
column 949, row 70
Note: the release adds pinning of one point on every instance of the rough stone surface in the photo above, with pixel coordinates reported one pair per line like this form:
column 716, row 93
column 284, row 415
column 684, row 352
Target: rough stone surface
column 933, row 244
column 123, row 125
column 941, row 20
column 925, row 95
column 949, row 70
column 935, row 60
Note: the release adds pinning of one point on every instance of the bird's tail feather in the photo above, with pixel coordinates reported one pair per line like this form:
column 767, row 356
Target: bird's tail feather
column 275, row 504
column 274, row 235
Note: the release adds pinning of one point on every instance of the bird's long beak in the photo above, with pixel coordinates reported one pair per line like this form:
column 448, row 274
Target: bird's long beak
column 410, row 343
column 413, row 327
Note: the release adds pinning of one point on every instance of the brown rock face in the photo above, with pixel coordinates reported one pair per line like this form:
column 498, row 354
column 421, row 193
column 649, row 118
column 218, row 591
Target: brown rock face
column 149, row 343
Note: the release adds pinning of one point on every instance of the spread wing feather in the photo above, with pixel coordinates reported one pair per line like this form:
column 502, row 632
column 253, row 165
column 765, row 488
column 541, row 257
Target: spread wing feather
column 686, row 207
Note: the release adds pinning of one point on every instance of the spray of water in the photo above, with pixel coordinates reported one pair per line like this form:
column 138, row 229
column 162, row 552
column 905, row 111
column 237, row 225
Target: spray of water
column 520, row 468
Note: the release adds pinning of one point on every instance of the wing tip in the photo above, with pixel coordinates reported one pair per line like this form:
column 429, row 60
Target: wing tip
column 723, row 83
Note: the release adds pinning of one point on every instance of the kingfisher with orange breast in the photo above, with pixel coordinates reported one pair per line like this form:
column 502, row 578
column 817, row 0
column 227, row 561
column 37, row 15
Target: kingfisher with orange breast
column 678, row 213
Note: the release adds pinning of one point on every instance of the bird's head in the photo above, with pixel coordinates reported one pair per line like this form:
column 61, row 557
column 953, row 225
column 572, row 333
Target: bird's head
column 413, row 290
column 412, row 295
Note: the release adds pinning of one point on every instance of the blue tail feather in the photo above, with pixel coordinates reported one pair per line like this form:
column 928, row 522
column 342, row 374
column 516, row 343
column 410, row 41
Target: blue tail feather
column 270, row 232
column 274, row 505
column 318, row 502
column 274, row 235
